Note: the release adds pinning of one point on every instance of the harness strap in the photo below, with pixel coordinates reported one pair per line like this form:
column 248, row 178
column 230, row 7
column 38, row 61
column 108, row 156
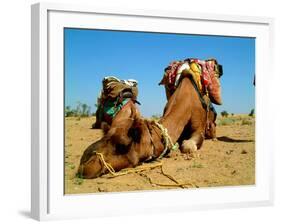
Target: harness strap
column 168, row 143
column 207, row 120
column 204, row 104
column 109, row 109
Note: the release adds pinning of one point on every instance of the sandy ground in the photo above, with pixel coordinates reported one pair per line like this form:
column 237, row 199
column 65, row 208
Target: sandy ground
column 229, row 161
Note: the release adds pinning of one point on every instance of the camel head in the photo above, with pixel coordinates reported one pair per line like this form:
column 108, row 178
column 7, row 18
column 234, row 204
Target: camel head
column 119, row 148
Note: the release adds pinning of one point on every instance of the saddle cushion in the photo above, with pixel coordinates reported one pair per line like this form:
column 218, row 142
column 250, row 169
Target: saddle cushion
column 112, row 88
column 204, row 73
column 210, row 78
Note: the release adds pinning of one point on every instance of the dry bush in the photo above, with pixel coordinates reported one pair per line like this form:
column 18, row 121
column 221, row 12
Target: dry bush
column 246, row 121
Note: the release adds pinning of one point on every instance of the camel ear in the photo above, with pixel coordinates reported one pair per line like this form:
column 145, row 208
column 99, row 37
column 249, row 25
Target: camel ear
column 105, row 127
column 163, row 81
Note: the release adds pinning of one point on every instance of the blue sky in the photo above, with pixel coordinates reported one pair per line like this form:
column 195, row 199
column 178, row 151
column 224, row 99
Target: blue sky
column 92, row 54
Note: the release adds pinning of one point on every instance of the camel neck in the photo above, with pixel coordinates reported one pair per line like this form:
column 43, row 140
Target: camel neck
column 177, row 111
column 174, row 126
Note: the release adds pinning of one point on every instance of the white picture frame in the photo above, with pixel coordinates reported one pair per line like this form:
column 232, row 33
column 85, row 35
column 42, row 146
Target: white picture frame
column 48, row 201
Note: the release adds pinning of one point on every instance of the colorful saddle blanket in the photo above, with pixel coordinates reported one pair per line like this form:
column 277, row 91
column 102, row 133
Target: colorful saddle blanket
column 205, row 74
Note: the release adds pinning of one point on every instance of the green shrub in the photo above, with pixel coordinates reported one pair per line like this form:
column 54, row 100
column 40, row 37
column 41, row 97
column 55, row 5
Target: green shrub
column 252, row 113
column 197, row 165
column 224, row 113
column 81, row 110
column 226, row 121
column 78, row 180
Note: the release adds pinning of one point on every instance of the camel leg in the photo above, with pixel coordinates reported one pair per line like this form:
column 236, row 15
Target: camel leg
column 191, row 145
column 197, row 130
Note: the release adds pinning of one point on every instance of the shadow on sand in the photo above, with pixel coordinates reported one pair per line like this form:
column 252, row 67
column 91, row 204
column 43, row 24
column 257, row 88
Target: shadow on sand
column 227, row 139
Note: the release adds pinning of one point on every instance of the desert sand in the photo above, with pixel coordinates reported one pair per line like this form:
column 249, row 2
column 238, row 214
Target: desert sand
column 229, row 161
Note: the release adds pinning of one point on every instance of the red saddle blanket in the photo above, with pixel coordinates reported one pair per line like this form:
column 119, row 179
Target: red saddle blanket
column 207, row 70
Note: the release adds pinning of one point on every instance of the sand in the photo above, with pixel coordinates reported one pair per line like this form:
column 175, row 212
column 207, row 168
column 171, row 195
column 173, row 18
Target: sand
column 229, row 161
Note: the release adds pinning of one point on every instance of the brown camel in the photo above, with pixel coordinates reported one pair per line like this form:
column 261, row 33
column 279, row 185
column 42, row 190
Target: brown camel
column 187, row 68
column 210, row 130
column 132, row 139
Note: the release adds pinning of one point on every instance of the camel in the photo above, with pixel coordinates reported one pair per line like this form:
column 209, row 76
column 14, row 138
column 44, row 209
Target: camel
column 132, row 139
column 210, row 130
column 117, row 146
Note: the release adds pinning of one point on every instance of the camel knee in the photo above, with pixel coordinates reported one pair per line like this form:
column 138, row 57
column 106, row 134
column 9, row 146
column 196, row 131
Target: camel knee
column 189, row 146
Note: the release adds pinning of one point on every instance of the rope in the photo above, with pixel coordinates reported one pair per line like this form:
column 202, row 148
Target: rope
column 182, row 185
column 128, row 170
column 176, row 183
column 168, row 143
column 141, row 168
column 107, row 165
column 169, row 176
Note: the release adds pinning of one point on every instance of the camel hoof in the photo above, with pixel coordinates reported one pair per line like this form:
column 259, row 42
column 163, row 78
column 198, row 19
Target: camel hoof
column 189, row 146
column 214, row 139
